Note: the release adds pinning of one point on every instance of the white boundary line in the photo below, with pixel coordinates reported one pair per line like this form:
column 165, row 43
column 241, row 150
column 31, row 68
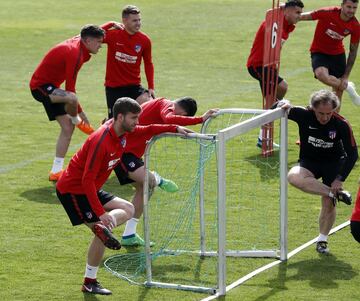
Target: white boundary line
column 274, row 263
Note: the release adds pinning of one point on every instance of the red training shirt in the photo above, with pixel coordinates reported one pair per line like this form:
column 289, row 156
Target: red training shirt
column 91, row 166
column 331, row 30
column 61, row 63
column 356, row 212
column 257, row 51
column 124, row 55
column 160, row 111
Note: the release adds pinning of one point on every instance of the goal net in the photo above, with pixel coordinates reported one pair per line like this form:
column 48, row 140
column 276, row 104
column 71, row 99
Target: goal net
column 228, row 205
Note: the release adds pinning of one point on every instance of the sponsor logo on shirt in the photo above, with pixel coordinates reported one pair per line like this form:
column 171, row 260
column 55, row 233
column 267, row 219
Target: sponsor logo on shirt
column 137, row 48
column 125, row 58
column 315, row 142
column 112, row 163
column 334, row 35
column 332, row 134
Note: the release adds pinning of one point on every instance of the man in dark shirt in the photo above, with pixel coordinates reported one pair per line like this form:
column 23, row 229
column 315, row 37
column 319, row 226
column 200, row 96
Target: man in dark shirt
column 327, row 150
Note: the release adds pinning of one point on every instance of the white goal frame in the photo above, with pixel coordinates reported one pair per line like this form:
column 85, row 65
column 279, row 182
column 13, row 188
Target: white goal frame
column 263, row 117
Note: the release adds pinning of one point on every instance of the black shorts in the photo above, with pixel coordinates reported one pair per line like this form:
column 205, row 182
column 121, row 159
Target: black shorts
column 78, row 207
column 336, row 64
column 112, row 95
column 41, row 94
column 257, row 73
column 355, row 230
column 325, row 170
column 129, row 162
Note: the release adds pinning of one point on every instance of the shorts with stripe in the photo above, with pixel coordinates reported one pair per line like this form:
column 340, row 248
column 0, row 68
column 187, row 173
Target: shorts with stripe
column 41, row 94
column 78, row 208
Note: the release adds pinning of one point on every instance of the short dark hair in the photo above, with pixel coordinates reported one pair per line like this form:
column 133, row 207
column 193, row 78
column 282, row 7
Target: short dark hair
column 188, row 104
column 91, row 30
column 293, row 3
column 130, row 10
column 355, row 1
column 124, row 105
column 324, row 97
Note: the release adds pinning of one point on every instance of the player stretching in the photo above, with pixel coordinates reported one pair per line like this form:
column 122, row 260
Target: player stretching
column 160, row 111
column 327, row 49
column 327, row 150
column 292, row 12
column 79, row 188
column 62, row 63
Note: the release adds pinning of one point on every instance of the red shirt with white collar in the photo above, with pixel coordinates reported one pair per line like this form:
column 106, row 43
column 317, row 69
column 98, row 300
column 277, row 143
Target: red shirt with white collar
column 331, row 30
column 91, row 166
column 61, row 63
column 124, row 55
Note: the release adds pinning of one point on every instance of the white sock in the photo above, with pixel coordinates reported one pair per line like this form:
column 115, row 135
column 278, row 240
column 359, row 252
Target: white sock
column 57, row 165
column 90, row 271
column 130, row 227
column 75, row 119
column 260, row 135
column 355, row 98
column 322, row 237
column 331, row 195
column 158, row 178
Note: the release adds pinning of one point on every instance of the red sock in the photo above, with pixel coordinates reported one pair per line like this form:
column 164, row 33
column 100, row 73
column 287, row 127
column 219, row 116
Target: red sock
column 89, row 280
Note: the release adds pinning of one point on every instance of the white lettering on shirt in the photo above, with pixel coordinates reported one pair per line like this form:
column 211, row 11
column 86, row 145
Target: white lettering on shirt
column 320, row 143
column 334, row 35
column 112, row 163
column 125, row 58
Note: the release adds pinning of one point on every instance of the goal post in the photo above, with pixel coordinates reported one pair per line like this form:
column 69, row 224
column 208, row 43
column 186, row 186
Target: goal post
column 217, row 250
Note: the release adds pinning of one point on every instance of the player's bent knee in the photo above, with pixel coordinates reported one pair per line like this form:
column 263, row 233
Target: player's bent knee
column 293, row 179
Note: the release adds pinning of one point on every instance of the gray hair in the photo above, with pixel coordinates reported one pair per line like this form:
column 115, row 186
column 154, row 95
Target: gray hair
column 324, row 97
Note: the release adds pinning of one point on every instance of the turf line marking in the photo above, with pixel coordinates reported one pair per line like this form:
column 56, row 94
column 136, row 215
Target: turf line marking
column 274, row 263
column 11, row 167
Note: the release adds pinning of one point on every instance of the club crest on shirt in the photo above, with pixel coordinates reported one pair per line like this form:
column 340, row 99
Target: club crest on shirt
column 123, row 142
column 137, row 48
column 332, row 134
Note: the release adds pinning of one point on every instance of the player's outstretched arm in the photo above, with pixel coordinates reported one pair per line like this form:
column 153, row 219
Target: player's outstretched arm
column 183, row 130
column 306, row 16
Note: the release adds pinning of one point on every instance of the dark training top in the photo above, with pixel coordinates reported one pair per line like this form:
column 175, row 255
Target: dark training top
column 325, row 143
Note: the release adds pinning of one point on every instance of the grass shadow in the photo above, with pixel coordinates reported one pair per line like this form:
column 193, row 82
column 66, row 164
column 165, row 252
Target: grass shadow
column 321, row 273
column 45, row 194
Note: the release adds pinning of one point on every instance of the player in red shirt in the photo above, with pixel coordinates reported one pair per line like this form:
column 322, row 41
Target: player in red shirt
column 355, row 219
column 127, row 47
column 160, row 111
column 327, row 49
column 292, row 12
column 62, row 64
column 79, row 187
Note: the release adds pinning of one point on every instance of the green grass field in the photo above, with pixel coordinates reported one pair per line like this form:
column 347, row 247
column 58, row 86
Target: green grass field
column 199, row 49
